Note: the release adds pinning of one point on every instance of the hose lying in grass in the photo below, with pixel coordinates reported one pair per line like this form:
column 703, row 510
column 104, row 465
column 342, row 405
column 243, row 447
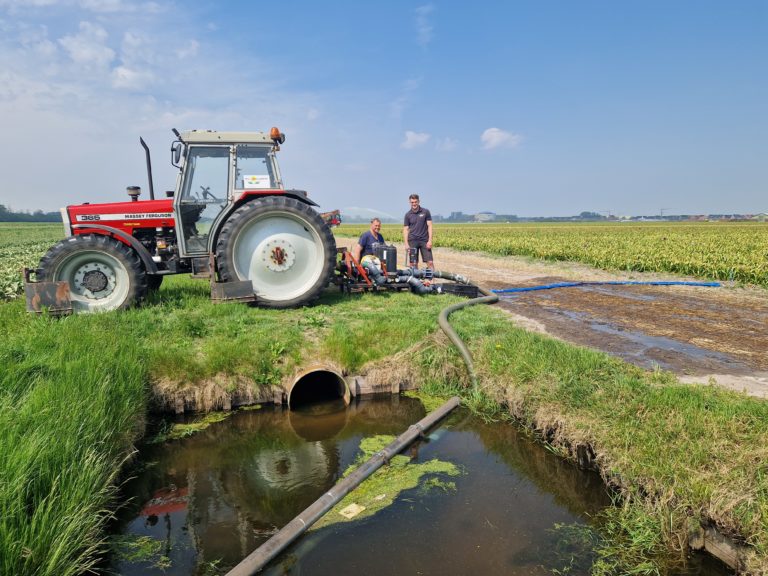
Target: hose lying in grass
column 487, row 298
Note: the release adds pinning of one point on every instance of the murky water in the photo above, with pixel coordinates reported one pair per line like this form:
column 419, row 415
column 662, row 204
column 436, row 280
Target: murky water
column 206, row 502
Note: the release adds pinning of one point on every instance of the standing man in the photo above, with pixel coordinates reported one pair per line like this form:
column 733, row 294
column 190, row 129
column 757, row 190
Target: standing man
column 364, row 245
column 417, row 231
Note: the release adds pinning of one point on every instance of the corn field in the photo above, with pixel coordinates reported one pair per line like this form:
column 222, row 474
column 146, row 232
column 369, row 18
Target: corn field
column 711, row 250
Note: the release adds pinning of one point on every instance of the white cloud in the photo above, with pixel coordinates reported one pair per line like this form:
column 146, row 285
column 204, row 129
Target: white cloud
column 137, row 50
column 23, row 3
column 424, row 28
column 446, row 144
column 89, row 46
column 107, row 6
column 401, row 102
column 496, row 138
column 414, row 139
column 313, row 114
column 191, row 49
column 36, row 40
column 131, row 78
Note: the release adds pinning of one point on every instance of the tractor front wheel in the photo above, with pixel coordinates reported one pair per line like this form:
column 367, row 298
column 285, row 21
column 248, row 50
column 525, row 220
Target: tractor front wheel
column 283, row 246
column 103, row 273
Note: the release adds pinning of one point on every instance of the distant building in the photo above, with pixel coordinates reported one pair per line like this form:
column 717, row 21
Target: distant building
column 485, row 216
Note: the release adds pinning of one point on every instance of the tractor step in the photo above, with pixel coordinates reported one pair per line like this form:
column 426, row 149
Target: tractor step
column 240, row 291
column 234, row 291
column 50, row 297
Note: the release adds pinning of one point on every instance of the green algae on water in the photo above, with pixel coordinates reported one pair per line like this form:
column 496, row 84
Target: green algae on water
column 429, row 401
column 250, row 407
column 388, row 482
column 179, row 431
column 141, row 549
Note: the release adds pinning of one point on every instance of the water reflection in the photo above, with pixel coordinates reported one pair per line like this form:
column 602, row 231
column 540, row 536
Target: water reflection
column 216, row 496
column 219, row 494
column 314, row 422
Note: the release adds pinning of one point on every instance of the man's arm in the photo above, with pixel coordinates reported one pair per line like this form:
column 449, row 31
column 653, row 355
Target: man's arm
column 405, row 236
column 356, row 250
column 429, row 230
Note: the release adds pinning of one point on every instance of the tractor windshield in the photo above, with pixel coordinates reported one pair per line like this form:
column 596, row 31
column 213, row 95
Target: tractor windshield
column 256, row 168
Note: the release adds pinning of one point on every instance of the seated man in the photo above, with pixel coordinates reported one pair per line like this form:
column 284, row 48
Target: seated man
column 364, row 245
column 363, row 252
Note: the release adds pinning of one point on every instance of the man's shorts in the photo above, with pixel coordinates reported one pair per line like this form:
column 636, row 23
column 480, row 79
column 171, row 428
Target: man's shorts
column 421, row 248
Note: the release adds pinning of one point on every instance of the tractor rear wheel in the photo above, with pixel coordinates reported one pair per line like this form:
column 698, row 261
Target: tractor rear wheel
column 283, row 246
column 103, row 273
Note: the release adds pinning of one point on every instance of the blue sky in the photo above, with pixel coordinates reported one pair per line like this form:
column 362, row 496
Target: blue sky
column 528, row 108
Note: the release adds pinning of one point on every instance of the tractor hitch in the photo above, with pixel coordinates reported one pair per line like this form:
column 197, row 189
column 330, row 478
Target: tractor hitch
column 51, row 297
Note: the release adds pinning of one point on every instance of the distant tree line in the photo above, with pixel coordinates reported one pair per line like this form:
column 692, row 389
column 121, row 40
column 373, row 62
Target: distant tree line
column 8, row 215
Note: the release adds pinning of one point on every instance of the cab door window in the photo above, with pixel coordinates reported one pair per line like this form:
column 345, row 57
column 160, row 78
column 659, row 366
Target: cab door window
column 204, row 194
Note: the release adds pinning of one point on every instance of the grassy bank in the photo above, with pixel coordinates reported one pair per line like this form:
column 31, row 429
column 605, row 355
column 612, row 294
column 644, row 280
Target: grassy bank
column 682, row 457
column 74, row 393
column 72, row 400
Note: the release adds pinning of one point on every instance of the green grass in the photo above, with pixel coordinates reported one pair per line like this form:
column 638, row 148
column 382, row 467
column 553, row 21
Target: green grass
column 68, row 417
column 74, row 393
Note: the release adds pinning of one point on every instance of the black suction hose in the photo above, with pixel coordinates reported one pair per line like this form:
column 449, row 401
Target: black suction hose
column 487, row 298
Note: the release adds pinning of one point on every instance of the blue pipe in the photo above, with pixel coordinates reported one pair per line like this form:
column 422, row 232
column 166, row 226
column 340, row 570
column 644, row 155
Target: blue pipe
column 610, row 283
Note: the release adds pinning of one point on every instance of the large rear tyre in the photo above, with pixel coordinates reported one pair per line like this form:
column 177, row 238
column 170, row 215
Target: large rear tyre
column 283, row 246
column 103, row 274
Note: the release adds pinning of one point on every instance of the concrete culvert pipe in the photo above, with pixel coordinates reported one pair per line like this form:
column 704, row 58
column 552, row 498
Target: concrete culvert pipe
column 318, row 384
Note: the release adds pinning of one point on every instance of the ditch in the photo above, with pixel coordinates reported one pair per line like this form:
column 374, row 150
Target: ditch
column 490, row 499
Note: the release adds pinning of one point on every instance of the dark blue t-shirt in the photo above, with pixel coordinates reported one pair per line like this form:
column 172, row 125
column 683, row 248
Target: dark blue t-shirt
column 367, row 240
column 417, row 224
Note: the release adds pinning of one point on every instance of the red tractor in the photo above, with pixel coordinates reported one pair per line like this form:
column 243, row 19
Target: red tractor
column 229, row 219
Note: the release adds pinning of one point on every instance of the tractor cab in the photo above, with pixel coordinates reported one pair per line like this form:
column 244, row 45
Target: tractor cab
column 218, row 171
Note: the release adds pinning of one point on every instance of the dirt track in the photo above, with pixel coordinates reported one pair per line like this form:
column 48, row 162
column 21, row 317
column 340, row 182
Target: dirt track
column 703, row 335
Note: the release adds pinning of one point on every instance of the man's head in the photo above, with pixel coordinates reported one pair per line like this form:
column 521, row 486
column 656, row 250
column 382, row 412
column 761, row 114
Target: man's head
column 375, row 226
column 414, row 200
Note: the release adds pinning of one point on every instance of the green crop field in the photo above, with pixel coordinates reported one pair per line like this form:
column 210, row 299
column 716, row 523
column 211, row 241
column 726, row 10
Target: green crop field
column 22, row 245
column 712, row 250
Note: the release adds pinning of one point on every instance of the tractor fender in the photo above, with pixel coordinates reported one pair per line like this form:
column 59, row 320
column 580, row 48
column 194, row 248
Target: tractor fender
column 141, row 251
column 222, row 218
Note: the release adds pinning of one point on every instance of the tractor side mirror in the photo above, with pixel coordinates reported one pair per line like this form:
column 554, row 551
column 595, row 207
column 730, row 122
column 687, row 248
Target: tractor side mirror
column 176, row 148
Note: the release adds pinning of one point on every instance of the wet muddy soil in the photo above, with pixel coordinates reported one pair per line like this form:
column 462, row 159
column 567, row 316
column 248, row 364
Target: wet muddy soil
column 705, row 335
